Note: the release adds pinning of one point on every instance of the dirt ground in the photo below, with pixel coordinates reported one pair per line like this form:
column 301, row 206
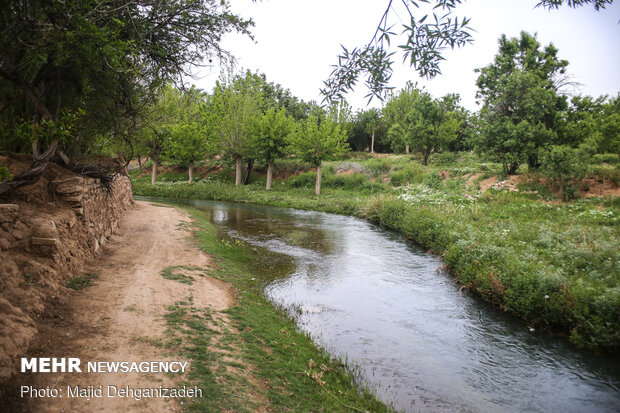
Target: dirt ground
column 120, row 316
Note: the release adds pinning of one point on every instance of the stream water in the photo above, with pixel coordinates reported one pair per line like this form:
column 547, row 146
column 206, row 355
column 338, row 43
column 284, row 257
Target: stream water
column 401, row 323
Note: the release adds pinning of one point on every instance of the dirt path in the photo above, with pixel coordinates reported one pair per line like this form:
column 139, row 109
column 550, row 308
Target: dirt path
column 120, row 317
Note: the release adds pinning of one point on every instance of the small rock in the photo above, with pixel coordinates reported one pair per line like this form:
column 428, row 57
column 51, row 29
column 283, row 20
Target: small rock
column 53, row 242
column 8, row 212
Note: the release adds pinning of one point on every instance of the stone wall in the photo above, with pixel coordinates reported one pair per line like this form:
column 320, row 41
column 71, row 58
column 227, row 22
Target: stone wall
column 47, row 232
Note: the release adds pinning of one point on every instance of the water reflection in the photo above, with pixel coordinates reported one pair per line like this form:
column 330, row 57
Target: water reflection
column 384, row 305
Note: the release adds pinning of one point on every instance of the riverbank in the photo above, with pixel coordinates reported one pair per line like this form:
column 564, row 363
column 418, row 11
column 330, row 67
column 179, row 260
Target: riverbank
column 288, row 370
column 154, row 294
column 552, row 264
column 114, row 311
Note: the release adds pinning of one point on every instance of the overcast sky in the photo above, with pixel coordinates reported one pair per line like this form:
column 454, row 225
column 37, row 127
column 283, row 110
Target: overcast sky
column 296, row 42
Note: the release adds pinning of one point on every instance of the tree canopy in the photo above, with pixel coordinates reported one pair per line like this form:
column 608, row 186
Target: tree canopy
column 103, row 57
column 521, row 103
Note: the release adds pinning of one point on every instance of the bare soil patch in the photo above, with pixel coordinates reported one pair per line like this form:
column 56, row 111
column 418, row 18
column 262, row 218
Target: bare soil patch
column 487, row 183
column 121, row 317
column 600, row 189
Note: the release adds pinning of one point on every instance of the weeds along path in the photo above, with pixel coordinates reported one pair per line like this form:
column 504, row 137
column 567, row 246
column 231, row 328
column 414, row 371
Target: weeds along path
column 121, row 316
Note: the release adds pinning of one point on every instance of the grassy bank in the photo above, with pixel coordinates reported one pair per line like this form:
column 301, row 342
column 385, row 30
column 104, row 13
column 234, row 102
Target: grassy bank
column 256, row 360
column 554, row 265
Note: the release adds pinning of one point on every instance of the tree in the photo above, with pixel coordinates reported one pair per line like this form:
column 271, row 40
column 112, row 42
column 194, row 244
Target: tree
column 610, row 127
column 154, row 129
column 316, row 140
column 563, row 163
column 425, row 41
column 396, row 109
column 581, row 121
column 373, row 123
column 230, row 118
column 521, row 101
column 275, row 96
column 188, row 141
column 368, row 128
column 467, row 123
column 592, row 122
column 270, row 138
column 429, row 126
column 102, row 57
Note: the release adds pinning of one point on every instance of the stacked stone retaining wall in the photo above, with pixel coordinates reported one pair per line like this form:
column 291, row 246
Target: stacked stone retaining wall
column 47, row 232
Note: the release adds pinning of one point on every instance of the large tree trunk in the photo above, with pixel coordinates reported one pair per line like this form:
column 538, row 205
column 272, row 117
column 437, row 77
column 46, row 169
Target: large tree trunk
column 269, row 174
column 237, row 171
column 154, row 172
column 190, row 172
column 372, row 143
column 407, row 149
column 317, row 188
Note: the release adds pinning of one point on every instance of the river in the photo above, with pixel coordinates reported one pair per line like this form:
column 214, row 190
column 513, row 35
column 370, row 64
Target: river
column 402, row 324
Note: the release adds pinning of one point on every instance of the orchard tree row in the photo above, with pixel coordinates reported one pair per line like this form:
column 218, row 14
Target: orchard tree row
column 246, row 119
column 526, row 118
column 80, row 78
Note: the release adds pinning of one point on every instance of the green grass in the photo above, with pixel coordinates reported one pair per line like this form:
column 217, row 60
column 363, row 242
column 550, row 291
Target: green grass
column 170, row 274
column 256, row 359
column 79, row 282
column 554, row 265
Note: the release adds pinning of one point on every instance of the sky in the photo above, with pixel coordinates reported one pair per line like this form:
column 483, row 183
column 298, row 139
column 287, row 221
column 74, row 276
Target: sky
column 297, row 41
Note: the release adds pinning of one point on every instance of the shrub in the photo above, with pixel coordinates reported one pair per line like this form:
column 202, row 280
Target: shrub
column 607, row 174
column 172, row 177
column 608, row 158
column 446, row 158
column 399, row 178
column 433, row 181
column 305, row 180
column 377, row 166
column 561, row 164
column 350, row 181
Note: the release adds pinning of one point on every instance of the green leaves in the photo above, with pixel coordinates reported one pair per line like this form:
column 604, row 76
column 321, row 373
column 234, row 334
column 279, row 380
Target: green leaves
column 316, row 140
column 104, row 56
column 428, row 127
column 270, row 134
column 425, row 40
column 521, row 101
column 232, row 114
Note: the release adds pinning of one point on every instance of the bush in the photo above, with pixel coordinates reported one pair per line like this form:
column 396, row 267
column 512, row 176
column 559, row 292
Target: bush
column 561, row 164
column 608, row 158
column 172, row 177
column 377, row 166
column 399, row 178
column 305, row 180
column 433, row 181
column 350, row 181
column 607, row 174
column 446, row 158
